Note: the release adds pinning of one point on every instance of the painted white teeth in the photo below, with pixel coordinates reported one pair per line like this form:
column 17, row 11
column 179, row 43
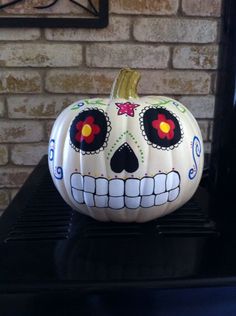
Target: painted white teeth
column 146, row 186
column 89, row 184
column 101, row 186
column 131, row 193
column 173, row 194
column 147, row 201
column 172, row 180
column 116, row 202
column 116, row 187
column 77, row 181
column 161, row 198
column 159, row 183
column 88, row 199
column 78, row 195
column 132, row 187
column 101, row 200
column 132, row 202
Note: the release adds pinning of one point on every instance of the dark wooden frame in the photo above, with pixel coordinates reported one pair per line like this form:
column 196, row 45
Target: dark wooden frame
column 99, row 21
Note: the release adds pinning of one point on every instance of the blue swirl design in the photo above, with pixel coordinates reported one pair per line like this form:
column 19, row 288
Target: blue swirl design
column 57, row 170
column 196, row 152
column 58, row 173
column 51, row 150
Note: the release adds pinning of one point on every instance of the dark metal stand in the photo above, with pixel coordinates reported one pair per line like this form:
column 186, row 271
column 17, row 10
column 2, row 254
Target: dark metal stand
column 53, row 259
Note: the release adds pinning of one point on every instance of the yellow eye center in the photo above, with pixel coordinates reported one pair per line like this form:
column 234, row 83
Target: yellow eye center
column 164, row 127
column 86, row 130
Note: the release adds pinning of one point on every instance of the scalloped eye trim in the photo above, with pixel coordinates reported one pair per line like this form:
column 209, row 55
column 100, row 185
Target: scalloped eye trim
column 105, row 141
column 156, row 145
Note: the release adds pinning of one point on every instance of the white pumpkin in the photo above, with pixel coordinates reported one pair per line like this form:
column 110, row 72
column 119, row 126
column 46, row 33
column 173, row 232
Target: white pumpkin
column 125, row 158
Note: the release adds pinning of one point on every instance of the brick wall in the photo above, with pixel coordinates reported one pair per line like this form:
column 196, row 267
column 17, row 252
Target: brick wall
column 174, row 43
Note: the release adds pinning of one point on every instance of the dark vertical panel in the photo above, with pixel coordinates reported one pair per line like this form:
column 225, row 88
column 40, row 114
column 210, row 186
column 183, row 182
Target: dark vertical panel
column 223, row 157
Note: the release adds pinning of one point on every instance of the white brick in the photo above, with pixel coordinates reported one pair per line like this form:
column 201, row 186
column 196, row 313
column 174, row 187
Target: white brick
column 152, row 82
column 202, row 7
column 40, row 55
column 49, row 125
column 72, row 81
column 2, row 107
column 20, row 131
column 174, row 82
column 195, row 57
column 204, row 127
column 4, row 199
column 127, row 55
column 175, row 30
column 200, row 106
column 3, row 155
column 19, row 81
column 28, row 154
column 152, row 7
column 19, row 34
column 38, row 106
column 13, row 177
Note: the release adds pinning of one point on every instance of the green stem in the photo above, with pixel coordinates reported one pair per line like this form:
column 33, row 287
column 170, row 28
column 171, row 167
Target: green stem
column 125, row 84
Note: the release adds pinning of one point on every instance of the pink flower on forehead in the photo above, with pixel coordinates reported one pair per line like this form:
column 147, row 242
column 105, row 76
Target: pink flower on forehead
column 126, row 108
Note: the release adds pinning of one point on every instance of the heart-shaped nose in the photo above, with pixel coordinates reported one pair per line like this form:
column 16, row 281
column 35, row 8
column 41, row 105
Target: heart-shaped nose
column 124, row 158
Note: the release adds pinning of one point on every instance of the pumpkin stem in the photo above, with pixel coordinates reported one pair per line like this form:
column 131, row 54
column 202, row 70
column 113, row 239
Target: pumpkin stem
column 125, row 84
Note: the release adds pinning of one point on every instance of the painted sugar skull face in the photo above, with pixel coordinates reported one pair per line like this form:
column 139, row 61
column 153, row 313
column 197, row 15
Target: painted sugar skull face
column 126, row 159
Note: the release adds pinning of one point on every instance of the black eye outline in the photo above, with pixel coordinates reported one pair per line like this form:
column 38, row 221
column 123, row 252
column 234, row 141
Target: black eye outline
column 148, row 133
column 102, row 128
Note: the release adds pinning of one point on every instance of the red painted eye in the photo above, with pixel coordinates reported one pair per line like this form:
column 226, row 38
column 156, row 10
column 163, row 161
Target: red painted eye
column 165, row 127
column 89, row 131
column 161, row 128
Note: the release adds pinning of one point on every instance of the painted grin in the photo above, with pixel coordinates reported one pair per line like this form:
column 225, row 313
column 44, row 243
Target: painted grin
column 130, row 193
